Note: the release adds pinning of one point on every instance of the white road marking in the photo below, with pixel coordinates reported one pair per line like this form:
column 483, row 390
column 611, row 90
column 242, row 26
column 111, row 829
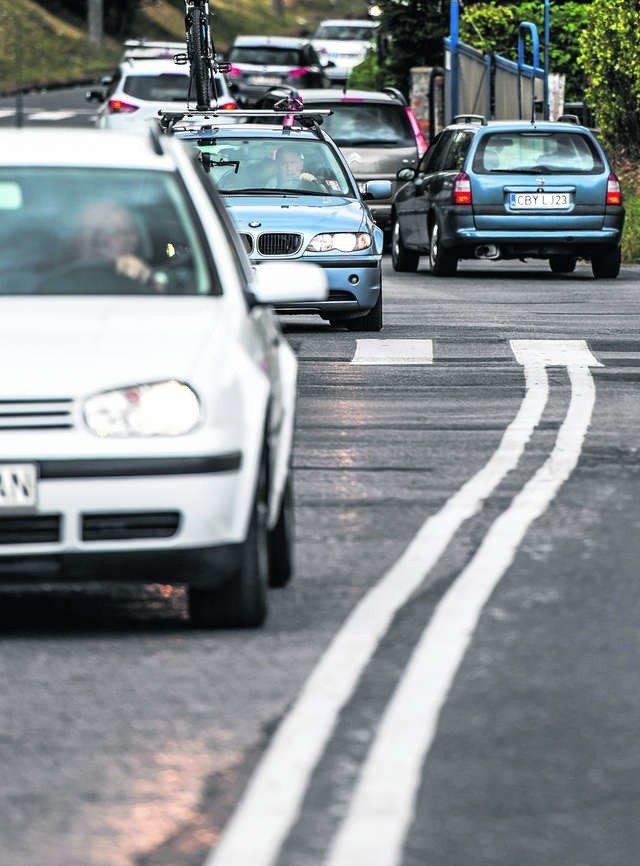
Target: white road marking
column 51, row 115
column 393, row 352
column 270, row 804
column 381, row 809
column 7, row 112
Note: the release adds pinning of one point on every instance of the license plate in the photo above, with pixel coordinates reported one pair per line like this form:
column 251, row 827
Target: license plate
column 263, row 79
column 539, row 200
column 18, row 485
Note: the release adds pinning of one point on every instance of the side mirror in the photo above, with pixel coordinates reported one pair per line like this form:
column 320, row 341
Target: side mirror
column 95, row 95
column 406, row 174
column 106, row 80
column 376, row 189
column 330, row 63
column 289, row 282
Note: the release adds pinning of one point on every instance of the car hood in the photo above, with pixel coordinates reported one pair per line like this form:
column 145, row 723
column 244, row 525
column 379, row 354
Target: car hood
column 297, row 213
column 74, row 346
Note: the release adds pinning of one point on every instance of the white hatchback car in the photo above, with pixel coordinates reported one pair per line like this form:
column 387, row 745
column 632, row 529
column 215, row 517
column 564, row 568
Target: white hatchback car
column 147, row 420
column 143, row 86
column 344, row 43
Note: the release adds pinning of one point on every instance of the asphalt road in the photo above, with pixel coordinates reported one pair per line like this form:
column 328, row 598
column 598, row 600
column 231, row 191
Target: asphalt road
column 492, row 719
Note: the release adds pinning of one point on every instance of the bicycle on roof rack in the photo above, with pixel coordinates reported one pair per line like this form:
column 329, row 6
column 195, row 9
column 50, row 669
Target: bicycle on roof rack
column 201, row 53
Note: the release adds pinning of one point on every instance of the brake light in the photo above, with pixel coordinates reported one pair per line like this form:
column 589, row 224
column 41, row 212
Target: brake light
column 614, row 194
column 421, row 144
column 233, row 70
column 227, row 106
column 299, row 72
column 117, row 106
column 462, row 189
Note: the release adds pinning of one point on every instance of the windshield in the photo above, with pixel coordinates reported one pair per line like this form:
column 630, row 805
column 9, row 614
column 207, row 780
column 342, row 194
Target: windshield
column 538, row 152
column 83, row 231
column 354, row 123
column 266, row 55
column 345, row 32
column 268, row 165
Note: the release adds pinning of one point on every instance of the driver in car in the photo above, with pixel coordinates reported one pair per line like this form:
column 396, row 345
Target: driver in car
column 108, row 233
column 290, row 169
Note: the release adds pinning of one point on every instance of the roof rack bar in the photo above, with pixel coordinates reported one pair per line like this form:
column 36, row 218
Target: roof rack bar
column 242, row 112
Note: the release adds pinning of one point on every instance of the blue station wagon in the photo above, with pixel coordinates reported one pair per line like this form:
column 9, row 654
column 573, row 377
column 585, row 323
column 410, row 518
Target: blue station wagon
column 509, row 190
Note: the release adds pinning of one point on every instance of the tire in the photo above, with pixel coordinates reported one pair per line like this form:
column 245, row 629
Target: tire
column 242, row 601
column 280, row 541
column 199, row 58
column 443, row 262
column 563, row 264
column 606, row 265
column 371, row 322
column 402, row 259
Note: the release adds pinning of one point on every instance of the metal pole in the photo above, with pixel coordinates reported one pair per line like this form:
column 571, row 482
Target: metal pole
column 453, row 26
column 18, row 49
column 545, row 97
column 95, row 22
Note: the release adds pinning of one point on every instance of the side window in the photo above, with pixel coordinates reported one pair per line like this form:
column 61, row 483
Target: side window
column 433, row 159
column 457, row 153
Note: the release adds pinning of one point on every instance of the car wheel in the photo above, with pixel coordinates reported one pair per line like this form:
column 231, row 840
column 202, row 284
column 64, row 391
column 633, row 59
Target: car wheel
column 280, row 540
column 402, row 259
column 562, row 264
column 443, row 262
column 241, row 602
column 606, row 265
column 371, row 322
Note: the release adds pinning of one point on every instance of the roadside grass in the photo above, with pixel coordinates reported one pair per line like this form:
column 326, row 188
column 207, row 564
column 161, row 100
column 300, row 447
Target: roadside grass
column 629, row 175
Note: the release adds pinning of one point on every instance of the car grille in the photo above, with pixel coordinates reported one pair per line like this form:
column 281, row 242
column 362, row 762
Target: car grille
column 30, row 529
column 279, row 243
column 55, row 414
column 247, row 241
column 121, row 525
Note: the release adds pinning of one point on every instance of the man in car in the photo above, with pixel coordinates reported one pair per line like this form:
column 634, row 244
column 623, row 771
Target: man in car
column 290, row 170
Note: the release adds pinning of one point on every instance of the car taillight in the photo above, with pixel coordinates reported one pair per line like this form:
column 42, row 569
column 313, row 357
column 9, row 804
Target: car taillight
column 614, row 195
column 233, row 70
column 298, row 73
column 421, row 144
column 227, row 106
column 117, row 106
column 462, row 189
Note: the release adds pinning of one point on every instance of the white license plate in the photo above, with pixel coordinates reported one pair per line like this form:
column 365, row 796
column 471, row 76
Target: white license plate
column 263, row 79
column 539, row 200
column 18, row 485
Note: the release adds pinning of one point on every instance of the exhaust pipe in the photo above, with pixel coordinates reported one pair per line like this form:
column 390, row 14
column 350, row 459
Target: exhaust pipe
column 487, row 251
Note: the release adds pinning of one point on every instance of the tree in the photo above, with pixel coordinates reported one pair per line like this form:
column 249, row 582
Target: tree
column 609, row 55
column 415, row 29
column 493, row 28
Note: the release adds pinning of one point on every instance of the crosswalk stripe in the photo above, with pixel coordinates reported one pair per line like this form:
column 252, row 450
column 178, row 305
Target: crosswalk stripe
column 51, row 115
column 390, row 352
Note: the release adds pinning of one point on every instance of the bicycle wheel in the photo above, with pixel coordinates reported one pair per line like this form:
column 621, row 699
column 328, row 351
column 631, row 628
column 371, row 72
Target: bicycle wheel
column 199, row 57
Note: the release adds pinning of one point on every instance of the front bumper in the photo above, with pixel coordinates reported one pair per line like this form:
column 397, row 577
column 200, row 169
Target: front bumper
column 156, row 519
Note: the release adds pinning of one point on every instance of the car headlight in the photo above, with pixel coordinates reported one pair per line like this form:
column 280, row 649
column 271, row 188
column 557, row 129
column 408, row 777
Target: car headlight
column 156, row 409
column 344, row 242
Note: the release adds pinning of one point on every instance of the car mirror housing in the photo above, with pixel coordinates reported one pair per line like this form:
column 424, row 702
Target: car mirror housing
column 377, row 189
column 406, row 174
column 289, row 282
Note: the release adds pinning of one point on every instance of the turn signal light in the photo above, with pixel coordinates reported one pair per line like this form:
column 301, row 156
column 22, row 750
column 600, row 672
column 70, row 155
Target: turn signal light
column 462, row 189
column 117, row 106
column 614, row 195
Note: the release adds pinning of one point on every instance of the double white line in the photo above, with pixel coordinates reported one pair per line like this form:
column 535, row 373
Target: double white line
column 374, row 829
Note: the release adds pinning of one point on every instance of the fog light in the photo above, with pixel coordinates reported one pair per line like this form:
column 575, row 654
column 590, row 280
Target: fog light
column 354, row 279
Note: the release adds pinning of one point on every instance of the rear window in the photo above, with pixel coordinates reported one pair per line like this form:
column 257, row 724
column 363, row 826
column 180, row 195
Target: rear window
column 158, row 88
column 537, row 152
column 362, row 123
column 266, row 55
column 344, row 32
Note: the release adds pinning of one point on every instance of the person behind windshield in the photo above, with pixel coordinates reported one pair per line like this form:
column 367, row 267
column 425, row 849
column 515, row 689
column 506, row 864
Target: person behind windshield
column 290, row 170
column 107, row 233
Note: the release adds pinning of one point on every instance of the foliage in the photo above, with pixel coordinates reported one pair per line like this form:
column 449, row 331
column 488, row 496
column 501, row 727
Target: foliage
column 39, row 48
column 492, row 27
column 370, row 75
column 119, row 15
column 413, row 31
column 609, row 55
